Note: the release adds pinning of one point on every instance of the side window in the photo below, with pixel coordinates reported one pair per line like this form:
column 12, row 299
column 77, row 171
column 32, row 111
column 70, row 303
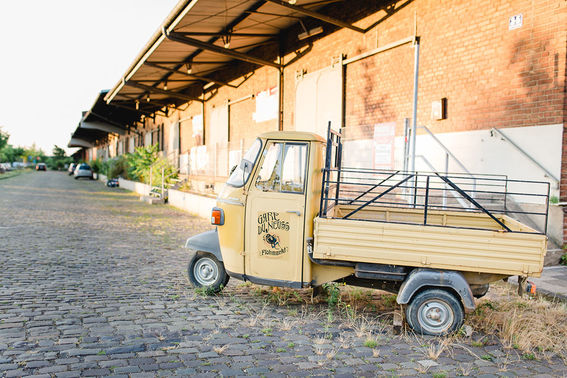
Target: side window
column 283, row 168
column 293, row 174
column 269, row 176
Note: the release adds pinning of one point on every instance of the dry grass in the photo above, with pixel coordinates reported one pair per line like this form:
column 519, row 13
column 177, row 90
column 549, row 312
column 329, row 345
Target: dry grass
column 534, row 326
column 220, row 350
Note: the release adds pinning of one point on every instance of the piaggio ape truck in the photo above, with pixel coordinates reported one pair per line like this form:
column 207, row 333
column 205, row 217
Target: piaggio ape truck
column 291, row 215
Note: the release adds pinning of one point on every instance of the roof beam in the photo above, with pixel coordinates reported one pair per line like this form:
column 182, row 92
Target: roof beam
column 78, row 142
column 184, row 62
column 133, row 108
column 319, row 16
column 176, row 37
column 226, row 34
column 102, row 126
column 197, row 77
column 148, row 88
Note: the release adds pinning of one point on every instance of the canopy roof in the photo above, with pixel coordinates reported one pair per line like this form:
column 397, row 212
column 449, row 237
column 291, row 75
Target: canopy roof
column 101, row 120
column 199, row 38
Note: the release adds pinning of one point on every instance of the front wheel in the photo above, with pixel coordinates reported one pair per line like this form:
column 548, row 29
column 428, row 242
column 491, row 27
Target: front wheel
column 205, row 270
column 435, row 312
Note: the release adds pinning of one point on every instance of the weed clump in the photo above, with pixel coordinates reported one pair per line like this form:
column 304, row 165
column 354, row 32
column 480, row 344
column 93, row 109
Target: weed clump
column 533, row 326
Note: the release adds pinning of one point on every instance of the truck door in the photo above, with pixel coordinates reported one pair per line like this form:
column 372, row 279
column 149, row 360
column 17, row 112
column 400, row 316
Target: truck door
column 275, row 216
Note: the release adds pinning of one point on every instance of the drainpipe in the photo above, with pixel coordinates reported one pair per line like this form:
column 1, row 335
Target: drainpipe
column 415, row 87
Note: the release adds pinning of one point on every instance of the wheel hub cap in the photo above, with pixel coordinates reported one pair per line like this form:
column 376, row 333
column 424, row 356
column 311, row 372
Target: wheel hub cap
column 205, row 271
column 435, row 316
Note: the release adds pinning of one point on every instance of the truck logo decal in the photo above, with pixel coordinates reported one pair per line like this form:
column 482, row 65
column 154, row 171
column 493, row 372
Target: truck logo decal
column 272, row 240
column 273, row 233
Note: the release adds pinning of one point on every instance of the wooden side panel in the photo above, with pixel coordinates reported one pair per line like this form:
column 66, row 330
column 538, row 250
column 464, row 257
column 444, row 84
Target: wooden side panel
column 429, row 246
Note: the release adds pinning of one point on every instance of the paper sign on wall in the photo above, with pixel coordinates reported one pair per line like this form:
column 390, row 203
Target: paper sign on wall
column 266, row 105
column 197, row 124
column 384, row 134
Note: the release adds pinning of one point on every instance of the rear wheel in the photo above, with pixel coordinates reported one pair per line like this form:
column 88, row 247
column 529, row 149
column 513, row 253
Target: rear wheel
column 435, row 312
column 205, row 270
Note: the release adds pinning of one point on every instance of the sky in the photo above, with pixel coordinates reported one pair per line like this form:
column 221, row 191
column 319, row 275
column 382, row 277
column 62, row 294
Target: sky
column 57, row 55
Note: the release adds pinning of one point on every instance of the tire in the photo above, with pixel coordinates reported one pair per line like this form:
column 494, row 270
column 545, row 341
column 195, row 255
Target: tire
column 435, row 312
column 76, row 178
column 205, row 270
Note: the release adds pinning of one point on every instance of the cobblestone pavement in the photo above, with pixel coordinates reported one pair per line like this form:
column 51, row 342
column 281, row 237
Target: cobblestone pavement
column 93, row 283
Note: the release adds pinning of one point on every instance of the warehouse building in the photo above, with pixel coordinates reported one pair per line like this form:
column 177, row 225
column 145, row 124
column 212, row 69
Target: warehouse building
column 482, row 82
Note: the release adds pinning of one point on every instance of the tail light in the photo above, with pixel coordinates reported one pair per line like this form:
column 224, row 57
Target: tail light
column 217, row 217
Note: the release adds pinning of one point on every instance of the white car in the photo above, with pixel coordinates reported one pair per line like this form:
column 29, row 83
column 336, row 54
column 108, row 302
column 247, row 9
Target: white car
column 83, row 170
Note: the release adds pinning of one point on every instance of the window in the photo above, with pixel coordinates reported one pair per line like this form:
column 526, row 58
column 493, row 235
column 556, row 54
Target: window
column 293, row 174
column 240, row 175
column 269, row 176
column 289, row 176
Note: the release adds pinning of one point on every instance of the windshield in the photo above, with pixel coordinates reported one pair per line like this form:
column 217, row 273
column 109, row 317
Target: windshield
column 240, row 175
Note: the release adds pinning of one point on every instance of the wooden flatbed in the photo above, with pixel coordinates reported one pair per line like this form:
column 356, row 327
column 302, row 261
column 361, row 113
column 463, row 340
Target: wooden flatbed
column 460, row 241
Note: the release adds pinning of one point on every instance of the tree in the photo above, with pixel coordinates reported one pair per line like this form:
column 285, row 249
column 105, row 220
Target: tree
column 59, row 159
column 4, row 136
column 11, row 154
column 34, row 154
column 58, row 152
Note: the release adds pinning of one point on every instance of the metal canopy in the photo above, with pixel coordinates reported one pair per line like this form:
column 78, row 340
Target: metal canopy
column 102, row 119
column 200, row 37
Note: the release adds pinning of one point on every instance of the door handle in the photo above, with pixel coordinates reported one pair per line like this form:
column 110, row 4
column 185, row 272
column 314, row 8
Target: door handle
column 297, row 212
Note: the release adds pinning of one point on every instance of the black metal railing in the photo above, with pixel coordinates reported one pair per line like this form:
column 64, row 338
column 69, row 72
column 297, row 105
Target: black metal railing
column 493, row 195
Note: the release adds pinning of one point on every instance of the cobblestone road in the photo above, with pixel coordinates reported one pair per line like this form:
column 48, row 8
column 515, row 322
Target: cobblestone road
column 93, row 283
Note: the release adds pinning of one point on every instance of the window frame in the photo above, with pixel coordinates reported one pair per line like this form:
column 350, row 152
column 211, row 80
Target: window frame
column 282, row 159
column 256, row 161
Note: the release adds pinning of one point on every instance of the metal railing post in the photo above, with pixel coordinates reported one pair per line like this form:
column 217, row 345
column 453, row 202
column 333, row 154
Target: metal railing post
column 150, row 190
column 162, row 183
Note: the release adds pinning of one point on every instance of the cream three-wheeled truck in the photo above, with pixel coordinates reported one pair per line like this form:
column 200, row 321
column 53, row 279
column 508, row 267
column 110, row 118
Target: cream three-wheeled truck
column 291, row 215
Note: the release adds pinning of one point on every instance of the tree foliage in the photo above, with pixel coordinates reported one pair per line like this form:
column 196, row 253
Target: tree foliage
column 4, row 136
column 59, row 159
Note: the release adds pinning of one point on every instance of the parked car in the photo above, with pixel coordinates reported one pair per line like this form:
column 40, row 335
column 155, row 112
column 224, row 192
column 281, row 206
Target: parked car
column 71, row 169
column 112, row 183
column 40, row 167
column 83, row 170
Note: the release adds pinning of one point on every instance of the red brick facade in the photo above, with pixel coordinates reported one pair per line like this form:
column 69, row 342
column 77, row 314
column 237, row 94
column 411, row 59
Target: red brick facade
column 491, row 76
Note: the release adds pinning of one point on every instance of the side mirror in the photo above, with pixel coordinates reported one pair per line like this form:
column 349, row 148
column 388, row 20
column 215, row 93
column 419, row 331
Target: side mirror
column 246, row 168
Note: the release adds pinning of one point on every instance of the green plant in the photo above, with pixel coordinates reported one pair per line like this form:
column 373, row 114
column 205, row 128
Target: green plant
column 140, row 161
column 205, row 291
column 554, row 199
column 370, row 343
column 563, row 259
column 96, row 165
column 117, row 167
column 333, row 293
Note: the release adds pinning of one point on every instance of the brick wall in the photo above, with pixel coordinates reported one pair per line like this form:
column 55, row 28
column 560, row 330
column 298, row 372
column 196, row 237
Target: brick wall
column 491, row 76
